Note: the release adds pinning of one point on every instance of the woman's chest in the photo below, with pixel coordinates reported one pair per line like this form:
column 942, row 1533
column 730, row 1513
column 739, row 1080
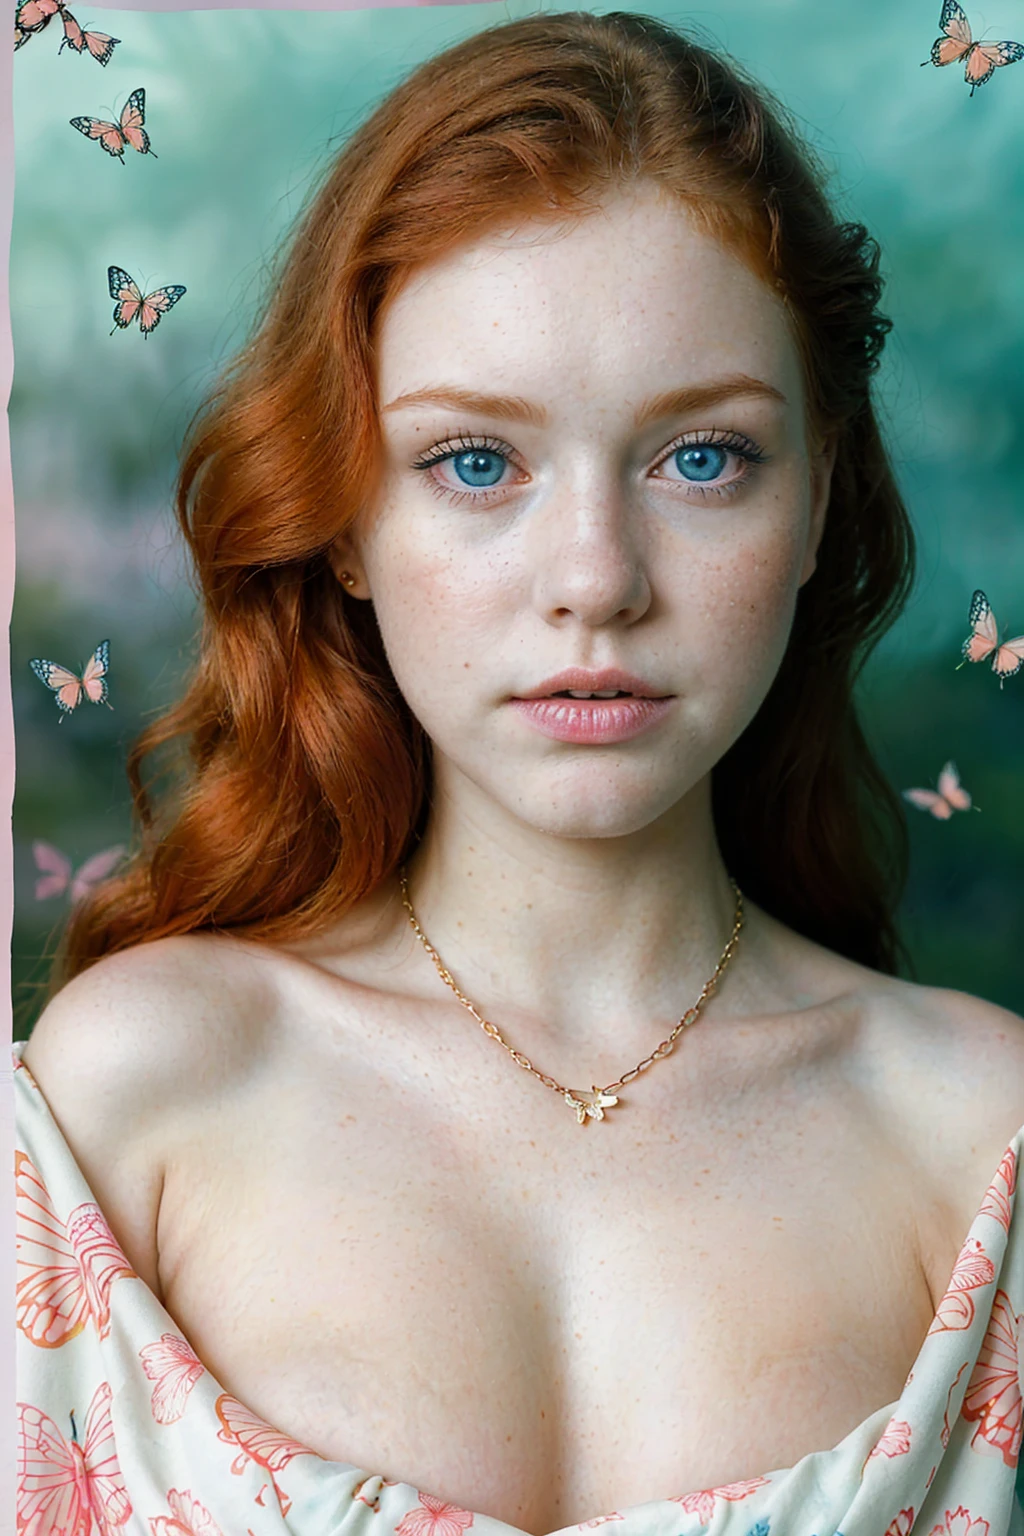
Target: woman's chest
column 542, row 1335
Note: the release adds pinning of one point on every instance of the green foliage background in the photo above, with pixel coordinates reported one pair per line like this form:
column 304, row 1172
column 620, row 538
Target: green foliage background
column 245, row 109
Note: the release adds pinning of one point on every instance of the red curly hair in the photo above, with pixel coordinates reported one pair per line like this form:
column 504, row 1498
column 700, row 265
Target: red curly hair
column 300, row 778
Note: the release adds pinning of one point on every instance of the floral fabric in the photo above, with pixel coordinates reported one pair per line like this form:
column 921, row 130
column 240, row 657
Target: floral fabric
column 122, row 1429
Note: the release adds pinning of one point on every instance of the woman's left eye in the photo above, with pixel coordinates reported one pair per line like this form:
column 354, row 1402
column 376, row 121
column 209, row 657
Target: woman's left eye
column 702, row 465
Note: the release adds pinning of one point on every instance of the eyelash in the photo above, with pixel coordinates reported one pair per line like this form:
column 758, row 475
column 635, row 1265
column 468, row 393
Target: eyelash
column 464, row 442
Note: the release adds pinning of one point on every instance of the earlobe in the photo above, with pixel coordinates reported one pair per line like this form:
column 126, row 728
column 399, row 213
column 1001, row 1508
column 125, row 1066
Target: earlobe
column 342, row 562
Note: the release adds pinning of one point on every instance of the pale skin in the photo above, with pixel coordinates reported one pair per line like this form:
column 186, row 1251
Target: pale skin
column 379, row 1232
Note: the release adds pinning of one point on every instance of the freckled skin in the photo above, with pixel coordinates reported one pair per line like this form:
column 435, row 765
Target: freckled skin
column 586, row 556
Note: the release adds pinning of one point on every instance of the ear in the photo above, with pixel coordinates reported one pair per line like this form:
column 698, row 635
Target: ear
column 822, row 463
column 344, row 561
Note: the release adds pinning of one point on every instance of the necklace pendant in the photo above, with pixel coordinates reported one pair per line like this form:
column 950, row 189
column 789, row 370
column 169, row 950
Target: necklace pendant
column 590, row 1105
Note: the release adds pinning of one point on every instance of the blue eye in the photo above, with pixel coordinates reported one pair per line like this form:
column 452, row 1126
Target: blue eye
column 479, row 466
column 701, row 461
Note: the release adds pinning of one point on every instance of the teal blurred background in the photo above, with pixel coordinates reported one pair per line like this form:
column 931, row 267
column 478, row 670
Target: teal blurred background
column 244, row 109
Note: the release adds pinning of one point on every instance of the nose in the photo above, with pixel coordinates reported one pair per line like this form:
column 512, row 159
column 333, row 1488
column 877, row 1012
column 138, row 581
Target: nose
column 588, row 555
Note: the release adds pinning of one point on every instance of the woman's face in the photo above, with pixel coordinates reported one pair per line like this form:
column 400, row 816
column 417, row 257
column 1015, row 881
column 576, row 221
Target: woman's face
column 594, row 457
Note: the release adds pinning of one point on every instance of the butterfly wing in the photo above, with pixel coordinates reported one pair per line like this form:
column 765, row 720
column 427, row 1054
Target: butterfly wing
column 985, row 58
column 952, row 790
column 984, row 636
column 51, row 1304
column 94, row 870
column 108, row 1495
column 156, row 304
column 66, row 687
column 174, row 1368
column 126, row 291
column 993, row 1395
column 957, row 40
column 998, row 1195
column 133, row 116
column 54, row 868
column 109, row 134
column 1009, row 657
column 94, row 674
column 100, row 1259
column 34, row 15
column 101, row 45
column 52, row 1497
column 928, row 800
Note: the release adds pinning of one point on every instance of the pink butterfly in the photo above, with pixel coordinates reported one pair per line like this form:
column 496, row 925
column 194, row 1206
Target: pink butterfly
column 972, row 1269
column 69, row 688
column 113, row 137
column 702, row 1502
column 983, row 641
column 268, row 1447
column 997, row 1197
column 64, row 1270
column 56, row 873
column 34, row 15
column 190, row 1518
column 66, row 1488
column 993, row 1395
column 132, row 306
column 981, row 60
column 950, row 797
column 175, row 1368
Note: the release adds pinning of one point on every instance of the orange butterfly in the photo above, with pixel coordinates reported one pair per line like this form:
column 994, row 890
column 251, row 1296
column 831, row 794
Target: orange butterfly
column 983, row 641
column 132, row 306
column 66, row 1488
column 68, row 688
column 981, row 60
column 993, row 1395
column 951, row 796
column 34, row 15
column 55, row 870
column 257, row 1441
column 175, row 1368
column 113, row 137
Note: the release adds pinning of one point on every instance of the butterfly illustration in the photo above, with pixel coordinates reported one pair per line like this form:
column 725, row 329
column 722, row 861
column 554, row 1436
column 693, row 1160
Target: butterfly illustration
column 34, row 15
column 113, row 137
column 69, row 688
column 256, row 1441
column 188, row 1517
column 950, row 797
column 983, row 641
column 593, row 1104
column 981, row 60
column 56, row 875
column 993, row 1396
column 65, row 1270
column 174, row 1367
column 132, row 306
column 67, row 1487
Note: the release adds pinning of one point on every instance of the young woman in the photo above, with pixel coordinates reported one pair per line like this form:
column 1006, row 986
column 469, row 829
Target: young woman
column 563, row 393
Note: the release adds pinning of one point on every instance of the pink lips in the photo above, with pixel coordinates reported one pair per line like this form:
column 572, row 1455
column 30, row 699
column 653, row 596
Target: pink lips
column 592, row 720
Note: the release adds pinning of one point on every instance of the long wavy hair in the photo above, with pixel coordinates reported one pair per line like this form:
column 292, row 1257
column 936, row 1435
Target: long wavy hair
column 294, row 777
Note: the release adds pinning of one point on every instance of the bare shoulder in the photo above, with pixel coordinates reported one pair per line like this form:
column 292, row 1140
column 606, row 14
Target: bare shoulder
column 139, row 1039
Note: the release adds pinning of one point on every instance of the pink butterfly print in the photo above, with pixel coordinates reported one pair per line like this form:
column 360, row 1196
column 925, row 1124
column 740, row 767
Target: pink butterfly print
column 961, row 1523
column 68, row 688
column 115, row 137
column 902, row 1523
column 993, row 1395
column 258, row 1442
column 132, row 306
column 34, row 15
column 980, row 59
column 702, row 1502
column 972, row 1269
column 997, row 1197
column 174, row 1367
column 56, row 875
column 67, row 1488
column 188, row 1517
column 983, row 641
column 950, row 797
column 64, row 1271
column 893, row 1441
column 434, row 1517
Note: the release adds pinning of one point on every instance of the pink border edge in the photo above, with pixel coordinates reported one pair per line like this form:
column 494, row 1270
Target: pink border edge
column 7, row 756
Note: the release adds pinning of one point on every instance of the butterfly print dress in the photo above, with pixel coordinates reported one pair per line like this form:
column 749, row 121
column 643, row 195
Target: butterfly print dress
column 121, row 1428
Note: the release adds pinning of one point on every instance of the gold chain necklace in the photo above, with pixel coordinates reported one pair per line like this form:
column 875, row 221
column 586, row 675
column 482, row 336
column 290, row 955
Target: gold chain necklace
column 586, row 1105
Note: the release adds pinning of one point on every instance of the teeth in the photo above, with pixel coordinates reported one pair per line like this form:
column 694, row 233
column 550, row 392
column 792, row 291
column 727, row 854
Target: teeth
column 608, row 693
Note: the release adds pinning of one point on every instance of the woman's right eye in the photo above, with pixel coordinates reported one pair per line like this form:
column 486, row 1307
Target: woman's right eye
column 460, row 468
column 481, row 467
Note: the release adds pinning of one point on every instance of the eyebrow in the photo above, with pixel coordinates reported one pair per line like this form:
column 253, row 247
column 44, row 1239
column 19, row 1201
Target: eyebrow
column 673, row 402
